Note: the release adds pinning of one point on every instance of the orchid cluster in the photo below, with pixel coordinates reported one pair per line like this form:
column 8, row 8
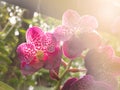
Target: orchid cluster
column 77, row 34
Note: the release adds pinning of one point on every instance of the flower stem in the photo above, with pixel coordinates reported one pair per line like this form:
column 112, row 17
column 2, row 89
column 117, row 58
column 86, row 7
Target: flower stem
column 62, row 76
column 64, row 63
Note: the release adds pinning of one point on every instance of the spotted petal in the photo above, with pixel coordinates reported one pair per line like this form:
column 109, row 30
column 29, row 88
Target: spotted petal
column 26, row 52
column 27, row 55
column 34, row 35
column 49, row 43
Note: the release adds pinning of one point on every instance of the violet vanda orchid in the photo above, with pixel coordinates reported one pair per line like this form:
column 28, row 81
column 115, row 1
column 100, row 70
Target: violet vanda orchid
column 41, row 50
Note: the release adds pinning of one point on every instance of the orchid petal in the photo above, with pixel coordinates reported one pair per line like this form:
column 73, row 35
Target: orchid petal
column 71, row 18
column 72, row 48
column 90, row 40
column 102, row 66
column 68, row 83
column 63, row 33
column 88, row 83
column 26, row 69
column 53, row 60
column 26, row 52
column 34, row 35
column 88, row 23
column 49, row 43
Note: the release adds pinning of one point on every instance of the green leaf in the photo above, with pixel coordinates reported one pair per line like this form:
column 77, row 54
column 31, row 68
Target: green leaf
column 22, row 31
column 3, row 68
column 3, row 50
column 1, row 43
column 4, row 86
column 4, row 58
column 28, row 21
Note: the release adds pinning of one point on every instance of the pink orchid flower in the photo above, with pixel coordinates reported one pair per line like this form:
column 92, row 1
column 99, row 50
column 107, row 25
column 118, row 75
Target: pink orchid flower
column 85, row 83
column 103, row 64
column 41, row 50
column 77, row 33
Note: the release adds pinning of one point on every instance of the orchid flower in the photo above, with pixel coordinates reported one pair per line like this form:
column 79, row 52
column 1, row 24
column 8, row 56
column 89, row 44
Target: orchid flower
column 85, row 83
column 77, row 33
column 103, row 64
column 41, row 50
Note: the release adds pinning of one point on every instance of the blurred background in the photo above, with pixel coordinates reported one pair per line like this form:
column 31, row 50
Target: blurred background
column 17, row 15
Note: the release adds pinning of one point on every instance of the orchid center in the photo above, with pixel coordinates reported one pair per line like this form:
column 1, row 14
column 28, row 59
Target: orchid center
column 40, row 54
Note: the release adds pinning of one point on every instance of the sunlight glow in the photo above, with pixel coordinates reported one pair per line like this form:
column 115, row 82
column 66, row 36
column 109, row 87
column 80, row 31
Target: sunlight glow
column 116, row 4
column 108, row 11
